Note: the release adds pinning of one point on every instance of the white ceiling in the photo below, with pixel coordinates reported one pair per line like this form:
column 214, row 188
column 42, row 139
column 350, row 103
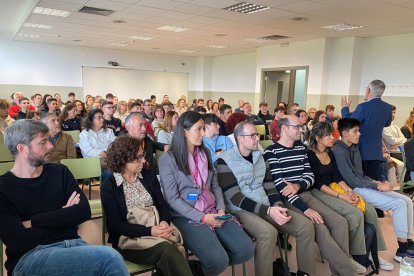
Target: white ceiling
column 209, row 24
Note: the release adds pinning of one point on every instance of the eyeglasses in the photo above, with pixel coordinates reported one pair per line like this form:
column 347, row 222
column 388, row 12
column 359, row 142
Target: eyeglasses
column 297, row 127
column 109, row 107
column 254, row 135
column 99, row 117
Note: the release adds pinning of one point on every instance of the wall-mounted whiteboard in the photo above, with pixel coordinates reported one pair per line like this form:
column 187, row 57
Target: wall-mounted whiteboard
column 134, row 83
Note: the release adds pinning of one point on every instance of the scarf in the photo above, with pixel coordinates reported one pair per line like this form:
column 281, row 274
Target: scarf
column 198, row 164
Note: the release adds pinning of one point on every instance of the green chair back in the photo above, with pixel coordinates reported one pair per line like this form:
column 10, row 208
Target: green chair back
column 1, row 138
column 5, row 155
column 261, row 129
column 5, row 167
column 75, row 135
column 265, row 143
column 83, row 167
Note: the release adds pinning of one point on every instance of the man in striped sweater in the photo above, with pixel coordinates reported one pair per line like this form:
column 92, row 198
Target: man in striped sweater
column 250, row 195
column 293, row 178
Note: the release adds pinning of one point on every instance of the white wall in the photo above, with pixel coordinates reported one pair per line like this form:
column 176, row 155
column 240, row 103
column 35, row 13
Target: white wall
column 307, row 53
column 234, row 73
column 57, row 65
column 390, row 58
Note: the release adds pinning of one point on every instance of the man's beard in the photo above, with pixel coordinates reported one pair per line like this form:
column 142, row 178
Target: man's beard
column 35, row 161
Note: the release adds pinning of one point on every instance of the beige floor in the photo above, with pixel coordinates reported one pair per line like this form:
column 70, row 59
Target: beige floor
column 91, row 230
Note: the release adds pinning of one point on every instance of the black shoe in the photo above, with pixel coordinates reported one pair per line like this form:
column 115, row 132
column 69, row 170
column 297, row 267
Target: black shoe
column 301, row 273
column 289, row 246
column 380, row 213
column 196, row 268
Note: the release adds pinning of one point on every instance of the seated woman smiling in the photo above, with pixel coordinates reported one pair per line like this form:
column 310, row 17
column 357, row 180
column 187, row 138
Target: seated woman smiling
column 131, row 186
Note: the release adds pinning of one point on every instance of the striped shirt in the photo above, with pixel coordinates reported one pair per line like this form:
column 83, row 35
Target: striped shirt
column 292, row 165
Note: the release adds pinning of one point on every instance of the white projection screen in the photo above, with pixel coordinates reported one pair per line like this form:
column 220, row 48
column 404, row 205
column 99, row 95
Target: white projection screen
column 128, row 83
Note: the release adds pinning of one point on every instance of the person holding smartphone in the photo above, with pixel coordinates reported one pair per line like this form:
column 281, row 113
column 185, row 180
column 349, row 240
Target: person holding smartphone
column 196, row 200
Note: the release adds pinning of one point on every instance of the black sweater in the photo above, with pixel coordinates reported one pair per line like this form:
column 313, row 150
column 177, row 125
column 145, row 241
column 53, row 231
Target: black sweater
column 40, row 200
column 114, row 204
column 324, row 174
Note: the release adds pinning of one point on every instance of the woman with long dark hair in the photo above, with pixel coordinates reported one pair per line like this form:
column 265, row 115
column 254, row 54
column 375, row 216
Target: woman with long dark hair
column 43, row 105
column 68, row 119
column 192, row 192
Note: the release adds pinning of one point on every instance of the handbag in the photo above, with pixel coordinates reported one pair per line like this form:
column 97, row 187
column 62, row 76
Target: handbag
column 147, row 216
column 361, row 203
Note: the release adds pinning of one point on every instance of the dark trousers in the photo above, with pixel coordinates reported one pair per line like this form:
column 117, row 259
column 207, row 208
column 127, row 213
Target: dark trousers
column 372, row 169
column 164, row 256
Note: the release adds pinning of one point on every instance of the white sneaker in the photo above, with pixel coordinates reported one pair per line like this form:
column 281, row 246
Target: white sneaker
column 357, row 266
column 383, row 264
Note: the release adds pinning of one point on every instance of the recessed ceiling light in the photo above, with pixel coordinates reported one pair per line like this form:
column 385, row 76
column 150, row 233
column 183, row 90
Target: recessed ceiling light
column 119, row 44
column 342, row 27
column 247, row 8
column 186, row 51
column 29, row 35
column 172, row 28
column 217, row 46
column 53, row 12
column 257, row 40
column 38, row 26
column 140, row 37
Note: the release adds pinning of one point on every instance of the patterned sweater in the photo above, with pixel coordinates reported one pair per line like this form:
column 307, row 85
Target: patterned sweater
column 290, row 164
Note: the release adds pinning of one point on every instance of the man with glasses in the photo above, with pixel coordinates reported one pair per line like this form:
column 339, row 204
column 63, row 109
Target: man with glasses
column 293, row 178
column 148, row 111
column 110, row 121
column 135, row 124
column 251, row 196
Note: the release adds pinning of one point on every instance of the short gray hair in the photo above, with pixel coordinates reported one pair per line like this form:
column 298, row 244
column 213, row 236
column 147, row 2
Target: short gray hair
column 45, row 117
column 131, row 116
column 22, row 132
column 377, row 88
column 239, row 129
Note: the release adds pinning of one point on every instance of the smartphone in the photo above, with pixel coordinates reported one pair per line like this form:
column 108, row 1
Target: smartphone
column 223, row 217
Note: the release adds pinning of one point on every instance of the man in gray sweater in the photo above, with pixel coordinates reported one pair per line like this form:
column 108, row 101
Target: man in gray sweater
column 377, row 193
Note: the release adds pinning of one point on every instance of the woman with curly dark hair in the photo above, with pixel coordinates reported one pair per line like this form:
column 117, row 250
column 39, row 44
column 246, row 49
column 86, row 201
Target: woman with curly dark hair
column 130, row 186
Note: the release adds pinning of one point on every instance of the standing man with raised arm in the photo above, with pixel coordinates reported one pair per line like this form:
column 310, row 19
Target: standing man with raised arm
column 374, row 114
column 41, row 207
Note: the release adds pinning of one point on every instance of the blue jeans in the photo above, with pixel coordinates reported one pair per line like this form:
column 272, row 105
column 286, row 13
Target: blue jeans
column 71, row 257
column 412, row 176
column 401, row 206
column 216, row 249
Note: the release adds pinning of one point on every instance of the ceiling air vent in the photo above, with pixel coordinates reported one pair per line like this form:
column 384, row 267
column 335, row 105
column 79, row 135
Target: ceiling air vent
column 96, row 11
column 273, row 37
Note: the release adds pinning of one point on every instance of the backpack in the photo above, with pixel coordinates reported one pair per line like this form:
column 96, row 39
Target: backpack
column 372, row 247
